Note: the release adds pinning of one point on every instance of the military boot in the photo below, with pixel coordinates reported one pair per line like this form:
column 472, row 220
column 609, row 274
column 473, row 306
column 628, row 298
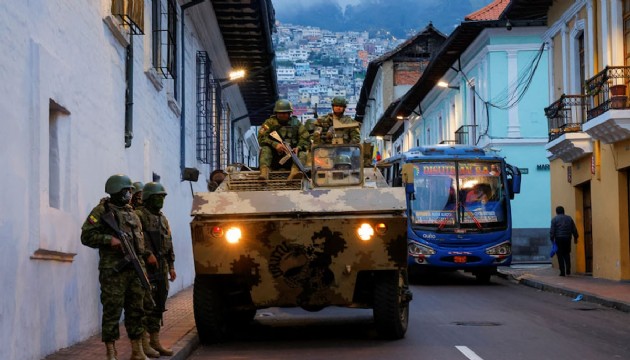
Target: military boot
column 295, row 173
column 136, row 350
column 149, row 351
column 264, row 173
column 155, row 343
column 111, row 351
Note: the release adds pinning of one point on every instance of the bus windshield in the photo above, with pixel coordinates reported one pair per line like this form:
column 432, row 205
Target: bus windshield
column 451, row 195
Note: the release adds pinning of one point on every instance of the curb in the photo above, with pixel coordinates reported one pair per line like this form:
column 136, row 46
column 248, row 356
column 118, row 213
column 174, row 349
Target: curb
column 185, row 346
column 614, row 304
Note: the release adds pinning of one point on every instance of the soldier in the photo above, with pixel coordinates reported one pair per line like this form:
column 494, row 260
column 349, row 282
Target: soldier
column 216, row 178
column 335, row 128
column 158, row 240
column 136, row 195
column 120, row 287
column 291, row 130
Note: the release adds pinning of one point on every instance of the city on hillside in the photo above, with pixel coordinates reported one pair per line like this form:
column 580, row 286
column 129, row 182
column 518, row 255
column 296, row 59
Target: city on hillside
column 314, row 65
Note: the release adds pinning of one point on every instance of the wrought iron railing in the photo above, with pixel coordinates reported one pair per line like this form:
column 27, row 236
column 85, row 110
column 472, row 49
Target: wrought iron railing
column 607, row 90
column 465, row 133
column 566, row 114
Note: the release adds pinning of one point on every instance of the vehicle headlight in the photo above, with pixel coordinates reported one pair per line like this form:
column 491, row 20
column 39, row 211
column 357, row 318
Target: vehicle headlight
column 503, row 249
column 381, row 229
column 233, row 235
column 416, row 249
column 365, row 232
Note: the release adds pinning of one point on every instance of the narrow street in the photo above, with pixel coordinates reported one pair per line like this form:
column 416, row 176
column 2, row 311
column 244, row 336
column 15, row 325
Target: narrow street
column 452, row 317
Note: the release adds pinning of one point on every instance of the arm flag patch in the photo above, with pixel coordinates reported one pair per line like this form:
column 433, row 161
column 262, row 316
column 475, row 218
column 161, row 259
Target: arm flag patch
column 92, row 219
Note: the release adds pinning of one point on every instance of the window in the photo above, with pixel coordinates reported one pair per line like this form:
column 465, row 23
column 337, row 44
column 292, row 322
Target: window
column 472, row 140
column 58, row 152
column 164, row 15
column 204, row 109
column 131, row 13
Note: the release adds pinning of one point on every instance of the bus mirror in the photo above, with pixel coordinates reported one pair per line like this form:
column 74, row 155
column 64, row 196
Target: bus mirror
column 514, row 180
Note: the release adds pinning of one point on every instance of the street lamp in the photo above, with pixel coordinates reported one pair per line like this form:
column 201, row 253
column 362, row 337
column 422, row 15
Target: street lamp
column 444, row 84
column 233, row 77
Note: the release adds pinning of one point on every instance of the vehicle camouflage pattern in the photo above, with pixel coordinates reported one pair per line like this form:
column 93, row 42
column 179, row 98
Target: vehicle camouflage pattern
column 336, row 238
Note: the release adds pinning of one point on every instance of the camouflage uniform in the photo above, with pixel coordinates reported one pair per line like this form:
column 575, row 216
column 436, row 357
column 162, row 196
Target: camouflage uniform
column 310, row 128
column 159, row 241
column 346, row 131
column 119, row 289
column 293, row 132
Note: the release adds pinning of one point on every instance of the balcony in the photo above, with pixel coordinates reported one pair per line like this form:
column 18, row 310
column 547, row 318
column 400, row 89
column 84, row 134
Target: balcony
column 566, row 115
column 565, row 118
column 608, row 114
column 465, row 133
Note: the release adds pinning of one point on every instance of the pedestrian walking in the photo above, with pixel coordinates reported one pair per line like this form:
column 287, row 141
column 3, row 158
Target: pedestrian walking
column 561, row 230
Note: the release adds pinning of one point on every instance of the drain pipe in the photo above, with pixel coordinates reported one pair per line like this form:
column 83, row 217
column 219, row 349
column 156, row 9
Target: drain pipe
column 182, row 119
column 129, row 94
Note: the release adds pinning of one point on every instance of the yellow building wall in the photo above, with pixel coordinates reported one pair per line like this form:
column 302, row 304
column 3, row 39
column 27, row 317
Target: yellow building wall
column 606, row 191
column 621, row 153
column 606, row 171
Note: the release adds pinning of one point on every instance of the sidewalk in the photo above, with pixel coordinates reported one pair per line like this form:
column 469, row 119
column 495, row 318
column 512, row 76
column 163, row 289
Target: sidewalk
column 180, row 333
column 614, row 294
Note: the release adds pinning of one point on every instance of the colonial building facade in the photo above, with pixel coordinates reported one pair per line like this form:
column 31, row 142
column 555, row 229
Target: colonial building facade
column 589, row 128
column 95, row 88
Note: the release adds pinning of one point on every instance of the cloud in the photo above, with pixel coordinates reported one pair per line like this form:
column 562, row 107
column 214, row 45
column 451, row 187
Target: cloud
column 287, row 5
column 400, row 17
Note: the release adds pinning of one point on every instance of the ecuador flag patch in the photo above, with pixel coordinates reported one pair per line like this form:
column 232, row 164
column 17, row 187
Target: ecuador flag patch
column 92, row 219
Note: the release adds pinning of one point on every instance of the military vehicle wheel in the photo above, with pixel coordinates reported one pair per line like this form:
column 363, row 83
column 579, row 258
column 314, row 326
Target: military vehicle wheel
column 391, row 305
column 243, row 317
column 209, row 309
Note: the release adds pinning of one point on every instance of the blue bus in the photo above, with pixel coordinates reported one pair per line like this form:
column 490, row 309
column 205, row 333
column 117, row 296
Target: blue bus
column 458, row 207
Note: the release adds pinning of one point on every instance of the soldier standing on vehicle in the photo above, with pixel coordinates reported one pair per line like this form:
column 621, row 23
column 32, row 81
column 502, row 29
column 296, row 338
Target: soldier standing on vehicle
column 120, row 286
column 158, row 239
column 136, row 195
column 335, row 128
column 292, row 131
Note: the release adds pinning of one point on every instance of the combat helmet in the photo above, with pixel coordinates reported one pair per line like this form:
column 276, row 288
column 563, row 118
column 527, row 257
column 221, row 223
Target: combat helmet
column 152, row 188
column 137, row 187
column 342, row 162
column 116, row 183
column 283, row 106
column 339, row 101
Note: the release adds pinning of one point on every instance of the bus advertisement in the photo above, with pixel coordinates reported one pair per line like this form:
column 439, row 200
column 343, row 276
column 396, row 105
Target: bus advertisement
column 458, row 207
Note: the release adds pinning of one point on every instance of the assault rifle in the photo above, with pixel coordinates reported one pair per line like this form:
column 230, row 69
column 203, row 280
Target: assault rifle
column 128, row 250
column 290, row 154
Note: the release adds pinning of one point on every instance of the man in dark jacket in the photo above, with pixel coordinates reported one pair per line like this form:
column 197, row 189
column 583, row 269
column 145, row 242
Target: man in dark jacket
column 562, row 228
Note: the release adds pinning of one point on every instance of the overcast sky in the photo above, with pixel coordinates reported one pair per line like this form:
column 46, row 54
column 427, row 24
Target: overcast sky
column 283, row 5
column 398, row 16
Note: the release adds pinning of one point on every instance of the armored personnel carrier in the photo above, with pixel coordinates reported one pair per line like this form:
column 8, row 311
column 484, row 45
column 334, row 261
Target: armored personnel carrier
column 336, row 237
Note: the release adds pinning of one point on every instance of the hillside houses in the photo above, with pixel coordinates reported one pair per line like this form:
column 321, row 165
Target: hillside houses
column 315, row 65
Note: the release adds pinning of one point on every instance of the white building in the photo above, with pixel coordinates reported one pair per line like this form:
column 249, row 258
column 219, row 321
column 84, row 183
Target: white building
column 68, row 126
column 286, row 74
column 298, row 54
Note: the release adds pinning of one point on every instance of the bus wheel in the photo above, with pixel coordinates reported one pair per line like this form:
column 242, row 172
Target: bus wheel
column 483, row 277
column 391, row 304
column 209, row 310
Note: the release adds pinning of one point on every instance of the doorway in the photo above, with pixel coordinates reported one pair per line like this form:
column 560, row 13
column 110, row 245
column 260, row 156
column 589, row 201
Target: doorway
column 587, row 225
